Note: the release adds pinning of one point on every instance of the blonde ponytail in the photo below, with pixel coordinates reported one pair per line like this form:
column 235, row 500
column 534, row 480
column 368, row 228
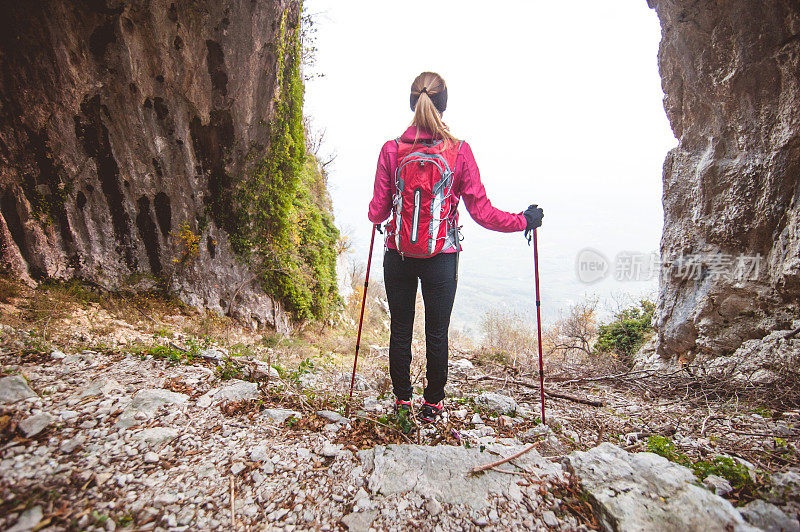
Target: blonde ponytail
column 426, row 115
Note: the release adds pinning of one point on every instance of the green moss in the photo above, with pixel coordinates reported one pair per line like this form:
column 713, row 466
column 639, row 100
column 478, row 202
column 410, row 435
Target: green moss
column 285, row 226
column 723, row 466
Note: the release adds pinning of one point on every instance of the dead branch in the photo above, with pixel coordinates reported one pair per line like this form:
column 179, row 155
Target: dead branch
column 574, row 399
column 233, row 508
column 547, row 392
column 478, row 469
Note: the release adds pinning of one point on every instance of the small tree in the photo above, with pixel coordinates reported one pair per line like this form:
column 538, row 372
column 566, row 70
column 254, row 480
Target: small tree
column 627, row 332
column 574, row 334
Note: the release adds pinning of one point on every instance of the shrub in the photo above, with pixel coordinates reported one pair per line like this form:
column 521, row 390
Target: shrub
column 627, row 332
column 507, row 334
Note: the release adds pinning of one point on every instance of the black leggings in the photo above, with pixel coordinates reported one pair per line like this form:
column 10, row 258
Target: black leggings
column 438, row 276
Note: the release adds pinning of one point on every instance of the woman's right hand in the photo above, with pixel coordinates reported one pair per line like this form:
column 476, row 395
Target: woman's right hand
column 533, row 215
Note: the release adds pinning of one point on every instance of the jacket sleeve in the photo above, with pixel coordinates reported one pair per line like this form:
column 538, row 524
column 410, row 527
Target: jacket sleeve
column 381, row 204
column 473, row 192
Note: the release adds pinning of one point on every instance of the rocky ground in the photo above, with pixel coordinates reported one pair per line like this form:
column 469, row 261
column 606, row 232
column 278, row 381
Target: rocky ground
column 181, row 438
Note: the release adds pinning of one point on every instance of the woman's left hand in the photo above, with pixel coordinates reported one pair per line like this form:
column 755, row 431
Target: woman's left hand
column 533, row 215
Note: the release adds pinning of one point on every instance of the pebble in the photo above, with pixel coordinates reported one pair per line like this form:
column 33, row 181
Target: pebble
column 151, row 457
column 550, row 519
column 433, row 507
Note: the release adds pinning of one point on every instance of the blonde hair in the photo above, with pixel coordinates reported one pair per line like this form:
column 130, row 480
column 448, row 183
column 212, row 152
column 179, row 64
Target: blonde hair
column 426, row 115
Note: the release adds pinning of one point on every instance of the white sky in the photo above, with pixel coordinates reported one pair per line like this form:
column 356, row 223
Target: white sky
column 560, row 101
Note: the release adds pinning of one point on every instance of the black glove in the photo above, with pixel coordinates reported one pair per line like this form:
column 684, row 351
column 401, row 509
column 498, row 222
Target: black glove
column 533, row 215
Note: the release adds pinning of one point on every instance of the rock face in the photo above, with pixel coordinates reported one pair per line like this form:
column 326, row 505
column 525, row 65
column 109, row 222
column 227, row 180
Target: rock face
column 732, row 95
column 644, row 491
column 443, row 472
column 123, row 125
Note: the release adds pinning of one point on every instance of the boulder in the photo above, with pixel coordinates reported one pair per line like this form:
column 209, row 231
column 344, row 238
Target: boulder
column 14, row 388
column 730, row 248
column 238, row 391
column 496, row 402
column 461, row 365
column 443, row 472
column 768, row 517
column 645, row 491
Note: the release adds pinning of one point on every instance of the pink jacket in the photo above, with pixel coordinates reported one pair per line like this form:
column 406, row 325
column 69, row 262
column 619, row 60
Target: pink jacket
column 467, row 185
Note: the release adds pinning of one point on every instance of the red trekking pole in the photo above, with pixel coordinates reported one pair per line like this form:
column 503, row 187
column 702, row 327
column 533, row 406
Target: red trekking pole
column 361, row 319
column 538, row 318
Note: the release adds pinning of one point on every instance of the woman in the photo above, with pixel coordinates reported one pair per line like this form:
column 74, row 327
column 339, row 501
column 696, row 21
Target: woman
column 436, row 170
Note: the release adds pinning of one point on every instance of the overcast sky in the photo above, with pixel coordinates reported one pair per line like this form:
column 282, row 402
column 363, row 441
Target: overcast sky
column 560, row 101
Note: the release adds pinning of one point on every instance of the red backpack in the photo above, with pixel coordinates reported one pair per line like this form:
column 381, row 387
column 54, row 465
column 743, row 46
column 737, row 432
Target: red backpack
column 424, row 206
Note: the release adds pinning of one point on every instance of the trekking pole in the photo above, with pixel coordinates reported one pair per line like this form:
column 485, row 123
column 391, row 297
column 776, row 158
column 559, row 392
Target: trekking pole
column 361, row 319
column 538, row 318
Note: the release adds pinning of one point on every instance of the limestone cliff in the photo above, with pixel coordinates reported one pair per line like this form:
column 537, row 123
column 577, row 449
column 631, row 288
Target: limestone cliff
column 730, row 74
column 124, row 125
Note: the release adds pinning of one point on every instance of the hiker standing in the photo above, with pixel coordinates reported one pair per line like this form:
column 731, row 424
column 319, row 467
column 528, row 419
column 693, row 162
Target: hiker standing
column 421, row 177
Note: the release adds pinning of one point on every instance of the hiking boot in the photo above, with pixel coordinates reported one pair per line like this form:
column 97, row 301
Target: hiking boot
column 402, row 406
column 430, row 412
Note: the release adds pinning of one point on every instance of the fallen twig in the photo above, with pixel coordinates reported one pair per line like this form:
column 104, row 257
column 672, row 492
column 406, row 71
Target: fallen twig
column 572, row 398
column 233, row 507
column 605, row 377
column 478, row 469
column 549, row 393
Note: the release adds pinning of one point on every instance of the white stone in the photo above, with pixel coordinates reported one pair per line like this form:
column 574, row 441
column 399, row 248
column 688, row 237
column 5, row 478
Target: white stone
column 433, row 507
column 259, row 453
column 238, row 391
column 550, row 518
column 717, row 484
column 102, row 386
column 768, row 517
column 28, row 520
column 461, row 365
column 371, row 404
column 151, row 458
column 15, row 388
column 330, row 449
column 146, row 402
column 279, row 415
column 502, row 404
column 33, row 425
column 645, row 491
column 333, row 417
column 156, row 435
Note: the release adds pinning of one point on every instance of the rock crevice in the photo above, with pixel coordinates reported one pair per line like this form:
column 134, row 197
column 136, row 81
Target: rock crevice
column 124, row 124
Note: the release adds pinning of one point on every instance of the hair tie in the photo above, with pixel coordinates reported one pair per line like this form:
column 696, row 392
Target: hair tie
column 424, row 89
